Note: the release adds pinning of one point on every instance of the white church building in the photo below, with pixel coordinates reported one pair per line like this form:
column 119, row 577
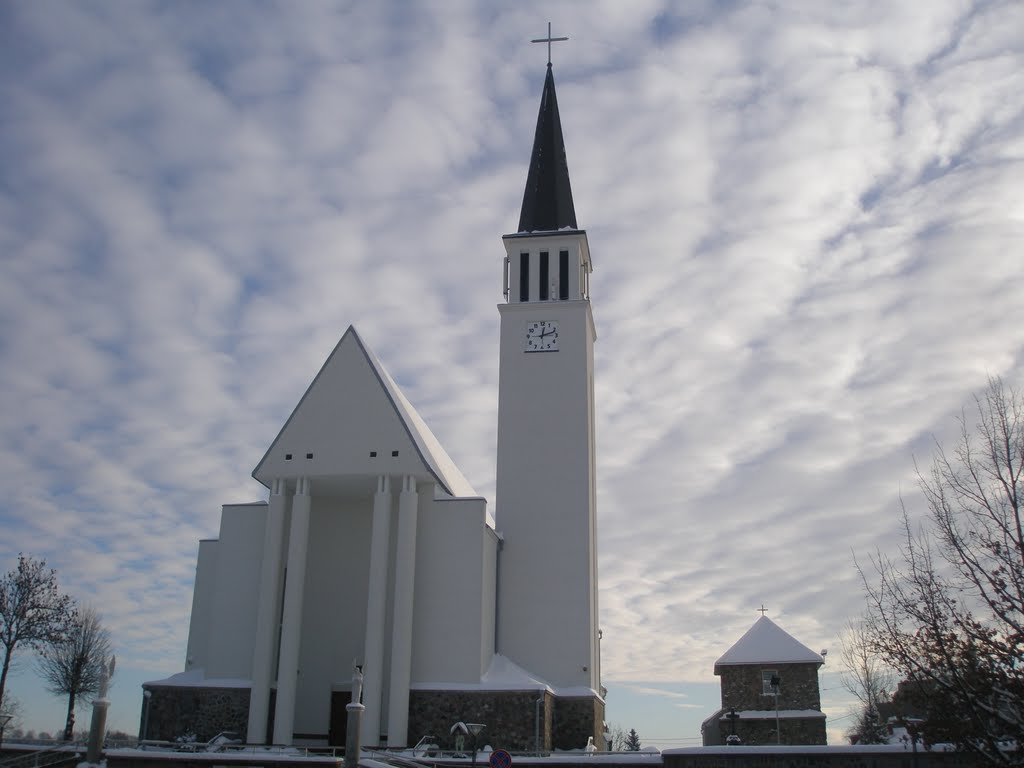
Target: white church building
column 373, row 549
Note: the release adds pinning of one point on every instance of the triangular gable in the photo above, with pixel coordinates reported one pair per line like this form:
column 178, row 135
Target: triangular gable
column 767, row 643
column 352, row 409
column 428, row 444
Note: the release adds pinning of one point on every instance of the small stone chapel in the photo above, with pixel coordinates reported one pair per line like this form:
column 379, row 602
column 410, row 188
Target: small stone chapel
column 770, row 692
column 372, row 548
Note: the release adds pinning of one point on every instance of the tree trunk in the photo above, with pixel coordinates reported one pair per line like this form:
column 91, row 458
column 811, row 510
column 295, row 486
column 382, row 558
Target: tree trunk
column 69, row 727
column 3, row 674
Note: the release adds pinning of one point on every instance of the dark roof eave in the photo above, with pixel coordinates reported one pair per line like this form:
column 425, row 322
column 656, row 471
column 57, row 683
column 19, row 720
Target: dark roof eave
column 718, row 667
column 544, row 233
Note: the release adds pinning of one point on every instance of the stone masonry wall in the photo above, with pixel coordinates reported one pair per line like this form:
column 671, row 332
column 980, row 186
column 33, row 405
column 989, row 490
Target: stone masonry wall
column 761, row 731
column 741, row 687
column 179, row 711
column 576, row 720
column 565, row 723
column 793, row 731
column 510, row 717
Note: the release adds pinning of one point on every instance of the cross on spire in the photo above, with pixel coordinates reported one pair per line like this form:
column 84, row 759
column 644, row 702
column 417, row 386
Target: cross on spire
column 762, row 609
column 549, row 40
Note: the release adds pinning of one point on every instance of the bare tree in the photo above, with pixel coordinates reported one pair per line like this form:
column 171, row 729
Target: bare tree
column 948, row 613
column 72, row 665
column 33, row 610
column 10, row 716
column 864, row 675
column 618, row 738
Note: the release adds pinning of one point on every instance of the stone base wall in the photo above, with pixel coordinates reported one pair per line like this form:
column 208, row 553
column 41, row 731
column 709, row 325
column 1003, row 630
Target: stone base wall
column 792, row 731
column 199, row 714
column 179, row 712
column 511, row 718
column 577, row 720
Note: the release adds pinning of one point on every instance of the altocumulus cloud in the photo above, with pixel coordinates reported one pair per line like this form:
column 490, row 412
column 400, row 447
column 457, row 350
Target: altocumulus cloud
column 805, row 223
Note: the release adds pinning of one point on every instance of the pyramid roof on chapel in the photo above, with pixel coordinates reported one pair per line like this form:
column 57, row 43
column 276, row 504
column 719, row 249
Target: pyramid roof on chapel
column 767, row 643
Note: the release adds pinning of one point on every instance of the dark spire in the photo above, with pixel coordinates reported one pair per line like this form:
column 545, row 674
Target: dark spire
column 547, row 202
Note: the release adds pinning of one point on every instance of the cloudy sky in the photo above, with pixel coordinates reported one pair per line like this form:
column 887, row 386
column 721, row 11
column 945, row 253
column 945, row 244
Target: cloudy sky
column 805, row 221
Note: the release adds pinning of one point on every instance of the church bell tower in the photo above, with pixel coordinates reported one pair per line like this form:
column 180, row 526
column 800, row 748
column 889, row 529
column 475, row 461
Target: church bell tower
column 547, row 580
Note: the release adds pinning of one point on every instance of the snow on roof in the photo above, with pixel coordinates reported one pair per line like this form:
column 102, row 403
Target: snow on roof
column 503, row 670
column 767, row 643
column 196, row 678
column 769, row 714
column 279, row 755
column 503, row 674
column 438, row 460
column 789, row 749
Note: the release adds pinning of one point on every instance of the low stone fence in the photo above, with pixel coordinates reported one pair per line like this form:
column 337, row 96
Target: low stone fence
column 867, row 756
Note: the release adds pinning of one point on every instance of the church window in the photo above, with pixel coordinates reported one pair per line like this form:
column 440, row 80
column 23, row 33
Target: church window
column 543, row 275
column 309, row 455
column 524, row 277
column 563, row 275
column 287, row 457
column 770, row 682
column 373, row 454
column 394, row 453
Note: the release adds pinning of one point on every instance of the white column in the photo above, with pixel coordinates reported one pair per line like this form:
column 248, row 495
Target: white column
column 401, row 625
column 376, row 604
column 266, row 614
column 291, row 619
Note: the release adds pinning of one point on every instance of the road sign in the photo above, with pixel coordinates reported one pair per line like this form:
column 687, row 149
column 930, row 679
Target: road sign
column 501, row 759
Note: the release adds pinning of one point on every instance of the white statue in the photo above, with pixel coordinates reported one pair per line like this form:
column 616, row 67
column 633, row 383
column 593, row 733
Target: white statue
column 106, row 672
column 357, row 683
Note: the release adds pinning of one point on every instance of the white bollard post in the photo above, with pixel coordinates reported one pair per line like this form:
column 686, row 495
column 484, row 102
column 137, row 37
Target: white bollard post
column 355, row 709
column 98, row 727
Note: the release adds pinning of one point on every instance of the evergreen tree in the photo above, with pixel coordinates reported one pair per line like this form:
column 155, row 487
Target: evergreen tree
column 867, row 729
column 632, row 741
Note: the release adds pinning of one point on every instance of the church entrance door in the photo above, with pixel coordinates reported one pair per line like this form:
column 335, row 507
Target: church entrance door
column 339, row 718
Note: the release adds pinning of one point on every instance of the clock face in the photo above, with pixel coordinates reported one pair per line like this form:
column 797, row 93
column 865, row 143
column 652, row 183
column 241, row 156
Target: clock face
column 542, row 336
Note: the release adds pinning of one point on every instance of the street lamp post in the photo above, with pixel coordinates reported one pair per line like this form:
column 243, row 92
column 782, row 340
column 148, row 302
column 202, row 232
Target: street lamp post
column 474, row 730
column 776, row 681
